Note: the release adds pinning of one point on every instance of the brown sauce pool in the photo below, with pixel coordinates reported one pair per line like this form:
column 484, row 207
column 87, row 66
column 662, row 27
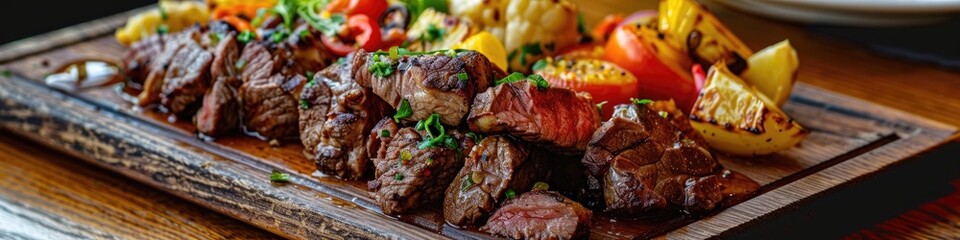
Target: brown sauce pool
column 84, row 74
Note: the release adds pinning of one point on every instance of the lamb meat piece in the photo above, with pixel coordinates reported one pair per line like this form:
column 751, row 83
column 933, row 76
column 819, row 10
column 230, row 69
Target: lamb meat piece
column 220, row 109
column 269, row 109
column 335, row 120
column 406, row 176
column 645, row 164
column 540, row 215
column 187, row 77
column 556, row 117
column 430, row 83
column 497, row 164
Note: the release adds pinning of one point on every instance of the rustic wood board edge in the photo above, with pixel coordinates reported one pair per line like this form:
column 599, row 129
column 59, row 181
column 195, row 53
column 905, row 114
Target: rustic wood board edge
column 145, row 153
column 914, row 135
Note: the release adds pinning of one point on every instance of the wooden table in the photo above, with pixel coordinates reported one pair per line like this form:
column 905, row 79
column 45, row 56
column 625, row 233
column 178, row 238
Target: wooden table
column 46, row 194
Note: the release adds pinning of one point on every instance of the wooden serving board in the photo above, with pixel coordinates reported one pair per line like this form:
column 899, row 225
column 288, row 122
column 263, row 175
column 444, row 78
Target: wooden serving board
column 849, row 139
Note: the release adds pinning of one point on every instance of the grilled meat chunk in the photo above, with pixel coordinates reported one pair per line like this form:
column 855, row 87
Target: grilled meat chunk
column 646, row 164
column 430, row 83
column 187, row 76
column 496, row 165
column 406, row 176
column 555, row 117
column 540, row 215
column 220, row 109
column 335, row 116
column 138, row 59
column 152, row 62
column 268, row 108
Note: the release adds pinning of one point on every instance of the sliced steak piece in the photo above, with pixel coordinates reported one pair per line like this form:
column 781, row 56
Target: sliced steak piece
column 304, row 52
column 406, row 176
column 645, row 164
column 220, row 109
column 187, row 76
column 155, row 71
column 430, row 83
column 256, row 62
column 496, row 165
column 335, row 116
column 138, row 59
column 268, row 109
column 540, row 215
column 555, row 117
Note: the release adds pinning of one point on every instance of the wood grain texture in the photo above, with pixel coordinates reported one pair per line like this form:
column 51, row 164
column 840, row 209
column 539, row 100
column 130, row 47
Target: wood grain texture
column 47, row 195
column 848, row 136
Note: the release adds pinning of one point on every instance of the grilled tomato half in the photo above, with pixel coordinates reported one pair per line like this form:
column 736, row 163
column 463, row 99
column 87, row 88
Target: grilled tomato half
column 603, row 80
column 661, row 71
column 737, row 119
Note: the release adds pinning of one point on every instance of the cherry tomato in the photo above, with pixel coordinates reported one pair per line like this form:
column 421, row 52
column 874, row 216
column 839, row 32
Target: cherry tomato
column 361, row 33
column 371, row 8
column 606, row 26
column 662, row 72
column 239, row 23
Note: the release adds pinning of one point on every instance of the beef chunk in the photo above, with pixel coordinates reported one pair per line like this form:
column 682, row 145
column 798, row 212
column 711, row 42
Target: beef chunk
column 646, row 164
column 540, row 215
column 268, row 109
column 220, row 110
column 555, row 117
column 152, row 62
column 187, row 75
column 256, row 62
column 430, row 83
column 496, row 165
column 335, row 117
column 406, row 176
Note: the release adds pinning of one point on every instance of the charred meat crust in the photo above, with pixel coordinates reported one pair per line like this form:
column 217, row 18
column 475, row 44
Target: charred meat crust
column 430, row 83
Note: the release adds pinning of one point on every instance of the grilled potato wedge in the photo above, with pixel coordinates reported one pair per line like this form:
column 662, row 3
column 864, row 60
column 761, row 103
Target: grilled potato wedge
column 737, row 119
column 690, row 27
column 773, row 71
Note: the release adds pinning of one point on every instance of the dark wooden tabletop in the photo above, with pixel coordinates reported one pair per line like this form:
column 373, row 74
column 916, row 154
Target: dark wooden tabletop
column 50, row 195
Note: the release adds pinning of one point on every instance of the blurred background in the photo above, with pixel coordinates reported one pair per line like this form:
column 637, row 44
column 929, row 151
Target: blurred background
column 922, row 30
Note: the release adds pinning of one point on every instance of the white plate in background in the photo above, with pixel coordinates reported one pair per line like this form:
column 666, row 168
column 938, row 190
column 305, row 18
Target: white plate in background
column 863, row 13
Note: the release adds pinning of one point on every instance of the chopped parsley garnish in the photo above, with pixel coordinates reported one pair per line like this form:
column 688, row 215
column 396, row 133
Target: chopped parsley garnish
column 510, row 194
column 433, row 126
column 451, row 143
column 384, row 133
column 641, row 101
column 420, row 126
column 403, row 111
column 310, row 76
column 600, row 107
column 163, row 13
column 394, row 52
column 537, row 80
column 513, row 54
column 405, row 155
column 540, row 64
column 664, row 114
column 513, row 77
column 429, row 161
column 433, row 33
column 214, row 37
column 341, row 60
column 278, row 36
column 245, row 37
column 462, row 76
column 398, row 177
column 529, row 49
column 304, row 104
column 581, row 25
column 259, row 18
column 381, row 69
column 475, row 136
column 277, row 176
column 542, row 84
column 6, row 73
column 541, row 186
column 162, row 29
column 467, row 183
column 240, row 64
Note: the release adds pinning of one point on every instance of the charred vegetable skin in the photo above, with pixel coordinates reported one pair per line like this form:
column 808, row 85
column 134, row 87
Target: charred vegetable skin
column 606, row 82
column 737, row 119
column 688, row 26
